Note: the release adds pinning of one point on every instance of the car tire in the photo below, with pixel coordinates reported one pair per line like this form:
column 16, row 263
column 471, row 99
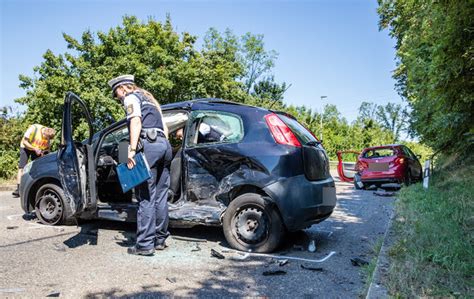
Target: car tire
column 251, row 223
column 356, row 185
column 50, row 207
column 407, row 180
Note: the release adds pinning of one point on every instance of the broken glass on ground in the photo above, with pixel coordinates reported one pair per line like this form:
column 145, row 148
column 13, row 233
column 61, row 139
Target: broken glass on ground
column 216, row 254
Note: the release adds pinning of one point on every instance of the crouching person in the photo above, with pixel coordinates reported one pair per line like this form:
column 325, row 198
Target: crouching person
column 35, row 143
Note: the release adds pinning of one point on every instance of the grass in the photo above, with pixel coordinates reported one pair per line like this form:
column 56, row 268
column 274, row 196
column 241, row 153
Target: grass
column 368, row 270
column 433, row 254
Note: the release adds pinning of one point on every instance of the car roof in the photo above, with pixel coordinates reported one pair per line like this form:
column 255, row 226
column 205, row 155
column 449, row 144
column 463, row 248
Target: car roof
column 196, row 102
column 382, row 146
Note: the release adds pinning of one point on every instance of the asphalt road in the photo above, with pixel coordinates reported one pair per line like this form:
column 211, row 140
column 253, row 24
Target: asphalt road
column 90, row 260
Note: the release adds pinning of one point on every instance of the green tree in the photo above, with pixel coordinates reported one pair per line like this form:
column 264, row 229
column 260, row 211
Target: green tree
column 392, row 117
column 256, row 60
column 435, row 47
column 12, row 128
column 163, row 62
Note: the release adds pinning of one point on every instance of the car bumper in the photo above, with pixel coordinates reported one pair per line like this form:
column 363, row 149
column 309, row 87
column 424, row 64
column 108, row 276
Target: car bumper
column 302, row 203
column 25, row 185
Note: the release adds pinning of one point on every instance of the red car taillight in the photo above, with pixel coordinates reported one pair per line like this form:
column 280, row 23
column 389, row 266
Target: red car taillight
column 361, row 165
column 397, row 161
column 280, row 131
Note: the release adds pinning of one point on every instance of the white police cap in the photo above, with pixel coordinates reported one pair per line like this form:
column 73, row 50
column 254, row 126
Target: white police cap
column 120, row 80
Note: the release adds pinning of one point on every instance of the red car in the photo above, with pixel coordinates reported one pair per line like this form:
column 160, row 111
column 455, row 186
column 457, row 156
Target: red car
column 387, row 164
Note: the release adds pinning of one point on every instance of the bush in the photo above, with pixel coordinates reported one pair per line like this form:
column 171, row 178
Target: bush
column 12, row 127
column 433, row 254
column 9, row 164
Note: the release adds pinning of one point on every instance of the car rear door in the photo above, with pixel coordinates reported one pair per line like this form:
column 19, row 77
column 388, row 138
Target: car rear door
column 76, row 160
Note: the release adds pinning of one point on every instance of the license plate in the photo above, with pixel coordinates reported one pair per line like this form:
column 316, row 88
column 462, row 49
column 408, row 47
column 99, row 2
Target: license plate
column 378, row 166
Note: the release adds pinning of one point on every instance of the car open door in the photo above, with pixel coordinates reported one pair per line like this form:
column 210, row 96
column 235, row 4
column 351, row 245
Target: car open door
column 346, row 170
column 76, row 160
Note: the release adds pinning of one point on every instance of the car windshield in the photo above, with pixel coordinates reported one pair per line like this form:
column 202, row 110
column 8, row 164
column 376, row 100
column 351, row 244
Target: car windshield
column 379, row 153
column 303, row 134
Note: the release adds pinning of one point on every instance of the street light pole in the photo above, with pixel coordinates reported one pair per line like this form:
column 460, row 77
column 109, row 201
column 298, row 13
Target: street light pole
column 321, row 118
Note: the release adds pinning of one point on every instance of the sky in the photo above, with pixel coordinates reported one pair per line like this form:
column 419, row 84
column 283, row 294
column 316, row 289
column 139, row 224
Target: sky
column 326, row 48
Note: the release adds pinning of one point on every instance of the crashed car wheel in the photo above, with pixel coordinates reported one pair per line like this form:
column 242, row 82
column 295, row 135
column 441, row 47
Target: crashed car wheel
column 49, row 205
column 408, row 180
column 252, row 223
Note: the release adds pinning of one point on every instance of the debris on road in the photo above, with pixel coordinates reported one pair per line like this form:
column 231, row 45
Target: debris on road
column 171, row 280
column 280, row 257
column 196, row 247
column 54, row 294
column 188, row 239
column 318, row 269
column 59, row 247
column 216, row 254
column 298, row 247
column 312, row 246
column 358, row 262
column 272, row 273
column 281, row 263
column 384, row 193
column 12, row 227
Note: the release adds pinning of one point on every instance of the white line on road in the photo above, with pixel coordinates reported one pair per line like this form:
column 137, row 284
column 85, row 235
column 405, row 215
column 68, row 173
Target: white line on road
column 11, row 217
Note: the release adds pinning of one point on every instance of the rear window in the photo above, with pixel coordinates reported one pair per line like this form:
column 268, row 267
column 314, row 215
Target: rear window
column 380, row 152
column 303, row 134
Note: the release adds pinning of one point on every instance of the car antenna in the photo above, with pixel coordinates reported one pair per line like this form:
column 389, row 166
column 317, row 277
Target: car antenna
column 274, row 101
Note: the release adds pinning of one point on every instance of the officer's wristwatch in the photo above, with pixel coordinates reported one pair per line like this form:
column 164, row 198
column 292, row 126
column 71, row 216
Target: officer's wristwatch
column 133, row 150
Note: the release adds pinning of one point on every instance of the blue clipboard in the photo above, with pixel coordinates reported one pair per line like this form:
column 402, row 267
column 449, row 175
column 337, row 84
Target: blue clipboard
column 130, row 178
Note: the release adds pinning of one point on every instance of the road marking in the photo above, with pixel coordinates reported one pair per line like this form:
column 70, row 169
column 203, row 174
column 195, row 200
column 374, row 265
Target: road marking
column 17, row 290
column 11, row 217
column 37, row 225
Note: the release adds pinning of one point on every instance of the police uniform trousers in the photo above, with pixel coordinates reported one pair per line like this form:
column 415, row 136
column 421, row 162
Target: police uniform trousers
column 152, row 195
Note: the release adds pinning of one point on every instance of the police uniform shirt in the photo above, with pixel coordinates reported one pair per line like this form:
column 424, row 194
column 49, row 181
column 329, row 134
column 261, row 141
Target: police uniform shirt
column 132, row 106
column 147, row 111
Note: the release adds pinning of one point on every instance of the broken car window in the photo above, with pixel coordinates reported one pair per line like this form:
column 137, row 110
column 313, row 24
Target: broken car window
column 214, row 127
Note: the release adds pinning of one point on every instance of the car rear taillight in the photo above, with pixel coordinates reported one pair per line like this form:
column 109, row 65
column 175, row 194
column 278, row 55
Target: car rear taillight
column 397, row 161
column 280, row 131
column 361, row 165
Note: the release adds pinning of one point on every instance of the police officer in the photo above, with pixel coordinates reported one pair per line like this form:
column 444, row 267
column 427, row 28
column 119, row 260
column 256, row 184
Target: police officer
column 146, row 127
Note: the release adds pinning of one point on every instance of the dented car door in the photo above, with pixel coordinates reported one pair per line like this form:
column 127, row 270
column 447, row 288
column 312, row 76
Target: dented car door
column 76, row 160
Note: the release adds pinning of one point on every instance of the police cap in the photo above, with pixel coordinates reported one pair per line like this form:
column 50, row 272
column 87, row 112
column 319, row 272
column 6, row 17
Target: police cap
column 121, row 80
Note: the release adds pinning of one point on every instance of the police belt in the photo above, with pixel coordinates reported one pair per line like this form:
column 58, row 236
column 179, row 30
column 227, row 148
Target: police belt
column 151, row 134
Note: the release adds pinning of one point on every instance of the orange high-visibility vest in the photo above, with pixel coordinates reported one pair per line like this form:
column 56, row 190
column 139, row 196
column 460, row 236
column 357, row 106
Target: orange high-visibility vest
column 36, row 138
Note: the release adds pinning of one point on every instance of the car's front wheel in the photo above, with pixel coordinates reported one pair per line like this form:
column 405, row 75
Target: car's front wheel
column 50, row 205
column 252, row 224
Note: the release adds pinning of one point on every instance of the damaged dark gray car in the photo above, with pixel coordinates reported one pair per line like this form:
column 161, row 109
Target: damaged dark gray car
column 258, row 173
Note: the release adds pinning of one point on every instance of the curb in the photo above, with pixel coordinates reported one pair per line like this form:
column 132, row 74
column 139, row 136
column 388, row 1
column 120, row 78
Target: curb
column 7, row 187
column 376, row 288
